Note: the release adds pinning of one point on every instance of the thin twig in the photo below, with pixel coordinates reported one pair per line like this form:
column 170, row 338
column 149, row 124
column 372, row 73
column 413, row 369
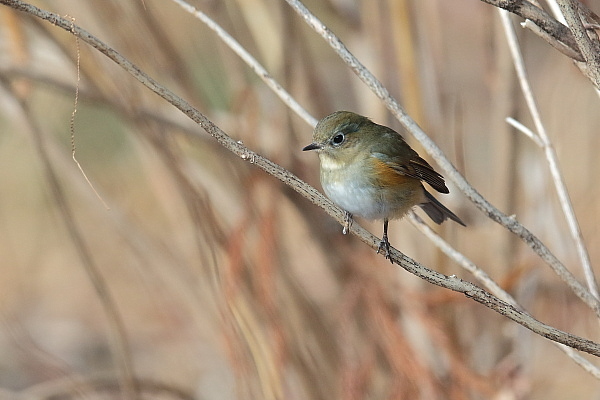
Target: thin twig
column 550, row 153
column 525, row 130
column 72, row 124
column 436, row 153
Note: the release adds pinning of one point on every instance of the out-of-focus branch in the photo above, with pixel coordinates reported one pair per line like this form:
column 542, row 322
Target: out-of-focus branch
column 449, row 282
column 509, row 222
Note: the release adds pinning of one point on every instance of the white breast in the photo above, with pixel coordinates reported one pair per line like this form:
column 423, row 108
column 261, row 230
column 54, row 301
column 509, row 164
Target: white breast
column 351, row 191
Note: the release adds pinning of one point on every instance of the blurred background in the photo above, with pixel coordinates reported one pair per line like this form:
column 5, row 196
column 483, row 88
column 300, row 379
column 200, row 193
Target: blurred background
column 227, row 283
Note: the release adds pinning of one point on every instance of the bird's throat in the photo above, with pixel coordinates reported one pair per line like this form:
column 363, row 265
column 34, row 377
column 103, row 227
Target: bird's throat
column 330, row 164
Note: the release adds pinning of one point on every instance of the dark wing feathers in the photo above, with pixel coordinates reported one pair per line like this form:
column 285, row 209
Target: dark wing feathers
column 403, row 159
column 421, row 170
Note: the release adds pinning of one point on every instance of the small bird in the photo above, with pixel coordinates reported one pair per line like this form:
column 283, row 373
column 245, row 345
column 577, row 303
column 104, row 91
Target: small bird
column 369, row 170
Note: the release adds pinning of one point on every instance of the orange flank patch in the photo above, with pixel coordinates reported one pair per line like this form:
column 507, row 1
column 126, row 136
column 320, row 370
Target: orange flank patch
column 387, row 176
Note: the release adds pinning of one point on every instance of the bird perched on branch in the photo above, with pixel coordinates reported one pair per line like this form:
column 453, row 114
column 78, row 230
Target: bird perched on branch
column 369, row 170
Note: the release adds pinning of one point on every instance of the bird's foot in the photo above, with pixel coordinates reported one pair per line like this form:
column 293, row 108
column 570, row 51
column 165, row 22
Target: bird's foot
column 384, row 247
column 347, row 223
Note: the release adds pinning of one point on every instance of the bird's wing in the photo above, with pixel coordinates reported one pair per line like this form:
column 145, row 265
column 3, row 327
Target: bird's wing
column 400, row 157
column 418, row 168
column 406, row 161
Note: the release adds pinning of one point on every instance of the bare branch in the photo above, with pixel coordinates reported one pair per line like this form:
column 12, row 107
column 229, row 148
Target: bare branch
column 542, row 19
column 588, row 44
column 525, row 130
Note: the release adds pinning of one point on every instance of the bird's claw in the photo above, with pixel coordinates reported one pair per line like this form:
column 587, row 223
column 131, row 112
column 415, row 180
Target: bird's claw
column 384, row 247
column 347, row 223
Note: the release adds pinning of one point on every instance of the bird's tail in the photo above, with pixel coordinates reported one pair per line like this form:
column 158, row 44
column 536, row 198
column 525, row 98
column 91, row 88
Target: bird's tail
column 437, row 211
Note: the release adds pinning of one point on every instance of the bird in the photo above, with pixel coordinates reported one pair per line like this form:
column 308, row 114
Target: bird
column 369, row 170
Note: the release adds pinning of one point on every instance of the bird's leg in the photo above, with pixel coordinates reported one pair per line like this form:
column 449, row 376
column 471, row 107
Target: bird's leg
column 384, row 245
column 347, row 222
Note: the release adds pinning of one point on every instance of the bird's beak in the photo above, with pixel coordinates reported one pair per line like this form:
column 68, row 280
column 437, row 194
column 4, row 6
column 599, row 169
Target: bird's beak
column 312, row 146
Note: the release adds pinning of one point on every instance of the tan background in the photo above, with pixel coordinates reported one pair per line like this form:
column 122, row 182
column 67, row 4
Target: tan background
column 229, row 284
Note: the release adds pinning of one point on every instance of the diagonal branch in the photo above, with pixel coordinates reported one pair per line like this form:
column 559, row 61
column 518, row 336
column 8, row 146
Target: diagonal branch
column 589, row 46
column 544, row 21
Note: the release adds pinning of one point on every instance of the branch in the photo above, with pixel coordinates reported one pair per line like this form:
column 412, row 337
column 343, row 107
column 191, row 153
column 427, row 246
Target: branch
column 545, row 22
column 560, row 46
column 575, row 42
column 588, row 44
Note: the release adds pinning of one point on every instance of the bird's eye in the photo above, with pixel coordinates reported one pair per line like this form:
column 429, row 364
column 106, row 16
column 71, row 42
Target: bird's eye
column 338, row 139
